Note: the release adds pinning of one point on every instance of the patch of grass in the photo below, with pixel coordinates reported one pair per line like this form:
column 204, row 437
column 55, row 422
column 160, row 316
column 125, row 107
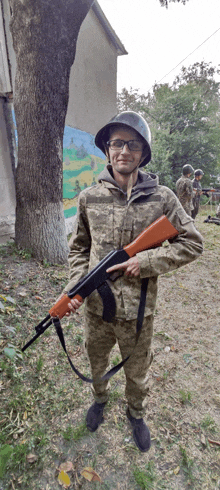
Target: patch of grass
column 209, row 423
column 40, row 363
column 187, row 464
column 74, row 433
column 145, row 478
column 113, row 397
column 185, row 396
column 116, row 360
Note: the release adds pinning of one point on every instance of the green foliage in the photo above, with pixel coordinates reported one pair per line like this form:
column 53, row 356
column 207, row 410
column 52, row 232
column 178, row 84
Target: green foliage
column 185, row 123
column 145, row 479
column 5, row 453
column 74, row 433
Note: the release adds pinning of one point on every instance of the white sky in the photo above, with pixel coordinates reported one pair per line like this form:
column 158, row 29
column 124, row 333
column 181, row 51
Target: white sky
column 157, row 39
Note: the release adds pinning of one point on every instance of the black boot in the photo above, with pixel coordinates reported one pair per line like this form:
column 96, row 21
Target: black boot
column 141, row 433
column 94, row 416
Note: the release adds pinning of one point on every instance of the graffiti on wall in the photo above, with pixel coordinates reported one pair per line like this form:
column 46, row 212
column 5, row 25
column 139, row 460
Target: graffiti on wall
column 82, row 163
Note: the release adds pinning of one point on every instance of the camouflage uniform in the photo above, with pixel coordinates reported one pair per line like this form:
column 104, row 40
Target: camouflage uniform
column 107, row 221
column 196, row 197
column 184, row 189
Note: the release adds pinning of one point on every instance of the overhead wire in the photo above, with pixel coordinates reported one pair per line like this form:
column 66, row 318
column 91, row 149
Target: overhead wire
column 185, row 58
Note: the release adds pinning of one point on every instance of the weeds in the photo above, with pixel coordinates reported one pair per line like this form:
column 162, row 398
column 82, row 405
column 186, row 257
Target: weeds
column 187, row 464
column 209, row 423
column 145, row 478
column 185, row 396
column 72, row 433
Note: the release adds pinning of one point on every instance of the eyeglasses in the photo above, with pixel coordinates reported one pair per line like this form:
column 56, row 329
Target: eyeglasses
column 133, row 145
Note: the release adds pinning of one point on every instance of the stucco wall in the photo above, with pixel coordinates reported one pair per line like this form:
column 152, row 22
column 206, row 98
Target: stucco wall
column 92, row 98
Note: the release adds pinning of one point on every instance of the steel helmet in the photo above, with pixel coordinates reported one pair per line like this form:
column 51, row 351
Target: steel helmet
column 188, row 169
column 130, row 120
column 198, row 172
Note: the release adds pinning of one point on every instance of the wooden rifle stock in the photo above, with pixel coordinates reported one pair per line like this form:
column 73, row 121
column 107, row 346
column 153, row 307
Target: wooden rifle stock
column 155, row 234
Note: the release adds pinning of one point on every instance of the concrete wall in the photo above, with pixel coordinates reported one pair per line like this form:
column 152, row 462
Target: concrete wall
column 93, row 88
column 7, row 189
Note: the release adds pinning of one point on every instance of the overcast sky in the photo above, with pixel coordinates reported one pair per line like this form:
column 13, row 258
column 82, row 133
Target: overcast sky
column 158, row 39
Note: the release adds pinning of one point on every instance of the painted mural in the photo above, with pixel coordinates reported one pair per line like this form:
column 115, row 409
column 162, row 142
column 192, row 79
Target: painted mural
column 82, row 163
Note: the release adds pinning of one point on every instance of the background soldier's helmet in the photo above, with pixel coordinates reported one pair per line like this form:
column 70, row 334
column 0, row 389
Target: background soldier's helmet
column 188, row 169
column 198, row 172
column 128, row 120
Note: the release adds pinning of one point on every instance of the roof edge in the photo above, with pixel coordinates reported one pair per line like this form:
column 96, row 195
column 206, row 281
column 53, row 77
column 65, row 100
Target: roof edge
column 108, row 29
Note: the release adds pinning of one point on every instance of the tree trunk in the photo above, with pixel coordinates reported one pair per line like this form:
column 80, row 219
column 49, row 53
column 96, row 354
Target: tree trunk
column 44, row 37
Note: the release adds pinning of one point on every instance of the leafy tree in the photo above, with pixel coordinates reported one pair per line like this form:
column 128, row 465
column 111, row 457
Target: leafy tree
column 185, row 123
column 44, row 36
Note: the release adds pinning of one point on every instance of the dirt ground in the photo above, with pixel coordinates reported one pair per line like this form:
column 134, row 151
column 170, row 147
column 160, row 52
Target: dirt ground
column 43, row 405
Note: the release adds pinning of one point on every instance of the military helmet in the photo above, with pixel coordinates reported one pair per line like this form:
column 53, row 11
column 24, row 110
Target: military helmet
column 188, row 169
column 129, row 120
column 198, row 172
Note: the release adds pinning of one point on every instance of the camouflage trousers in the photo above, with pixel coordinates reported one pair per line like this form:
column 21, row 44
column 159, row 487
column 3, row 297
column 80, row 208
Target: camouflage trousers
column 101, row 338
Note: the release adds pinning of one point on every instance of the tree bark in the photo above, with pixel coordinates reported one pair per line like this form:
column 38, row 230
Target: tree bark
column 44, row 38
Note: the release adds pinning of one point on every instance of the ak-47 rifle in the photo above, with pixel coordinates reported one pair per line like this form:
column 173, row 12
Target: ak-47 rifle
column 154, row 235
column 207, row 190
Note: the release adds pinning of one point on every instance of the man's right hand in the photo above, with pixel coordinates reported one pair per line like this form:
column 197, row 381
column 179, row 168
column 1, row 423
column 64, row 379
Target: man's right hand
column 73, row 304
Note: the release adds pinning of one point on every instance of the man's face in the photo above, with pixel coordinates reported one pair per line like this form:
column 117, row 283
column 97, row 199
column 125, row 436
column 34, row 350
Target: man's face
column 124, row 161
column 198, row 177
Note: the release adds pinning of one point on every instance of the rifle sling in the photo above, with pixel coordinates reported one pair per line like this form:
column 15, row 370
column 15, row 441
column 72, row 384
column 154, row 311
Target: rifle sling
column 108, row 300
column 115, row 369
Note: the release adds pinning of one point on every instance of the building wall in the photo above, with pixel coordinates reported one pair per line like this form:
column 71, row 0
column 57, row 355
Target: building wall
column 93, row 90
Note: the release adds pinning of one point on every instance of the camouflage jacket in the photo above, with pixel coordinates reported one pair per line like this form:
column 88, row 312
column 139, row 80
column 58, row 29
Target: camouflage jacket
column 106, row 221
column 184, row 189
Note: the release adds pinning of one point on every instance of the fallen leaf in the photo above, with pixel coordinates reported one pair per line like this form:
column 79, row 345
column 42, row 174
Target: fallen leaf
column 10, row 299
column 203, row 440
column 25, row 415
column 9, row 308
column 67, row 466
column 64, row 479
column 23, row 294
column 3, row 297
column 31, row 458
column 167, row 349
column 1, row 306
column 39, row 298
column 90, row 475
column 214, row 442
column 176, row 470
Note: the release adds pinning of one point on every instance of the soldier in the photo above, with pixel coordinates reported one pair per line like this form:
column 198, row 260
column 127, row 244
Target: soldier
column 184, row 189
column 110, row 215
column 197, row 188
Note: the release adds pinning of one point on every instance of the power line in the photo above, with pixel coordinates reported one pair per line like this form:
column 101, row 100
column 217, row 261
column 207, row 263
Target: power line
column 186, row 57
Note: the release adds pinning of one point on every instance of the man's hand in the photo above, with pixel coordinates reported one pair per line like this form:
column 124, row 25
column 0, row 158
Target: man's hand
column 130, row 267
column 73, row 305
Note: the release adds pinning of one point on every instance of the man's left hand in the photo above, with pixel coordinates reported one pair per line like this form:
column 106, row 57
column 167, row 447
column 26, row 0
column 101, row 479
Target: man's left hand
column 130, row 267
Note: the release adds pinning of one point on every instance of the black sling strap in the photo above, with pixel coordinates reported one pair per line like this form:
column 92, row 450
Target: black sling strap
column 115, row 369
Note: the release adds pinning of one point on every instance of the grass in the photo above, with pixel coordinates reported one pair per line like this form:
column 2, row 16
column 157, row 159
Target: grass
column 145, row 478
column 43, row 404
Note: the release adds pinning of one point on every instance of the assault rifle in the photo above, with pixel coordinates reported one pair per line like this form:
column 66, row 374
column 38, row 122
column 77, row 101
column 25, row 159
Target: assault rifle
column 206, row 190
column 213, row 219
column 159, row 231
